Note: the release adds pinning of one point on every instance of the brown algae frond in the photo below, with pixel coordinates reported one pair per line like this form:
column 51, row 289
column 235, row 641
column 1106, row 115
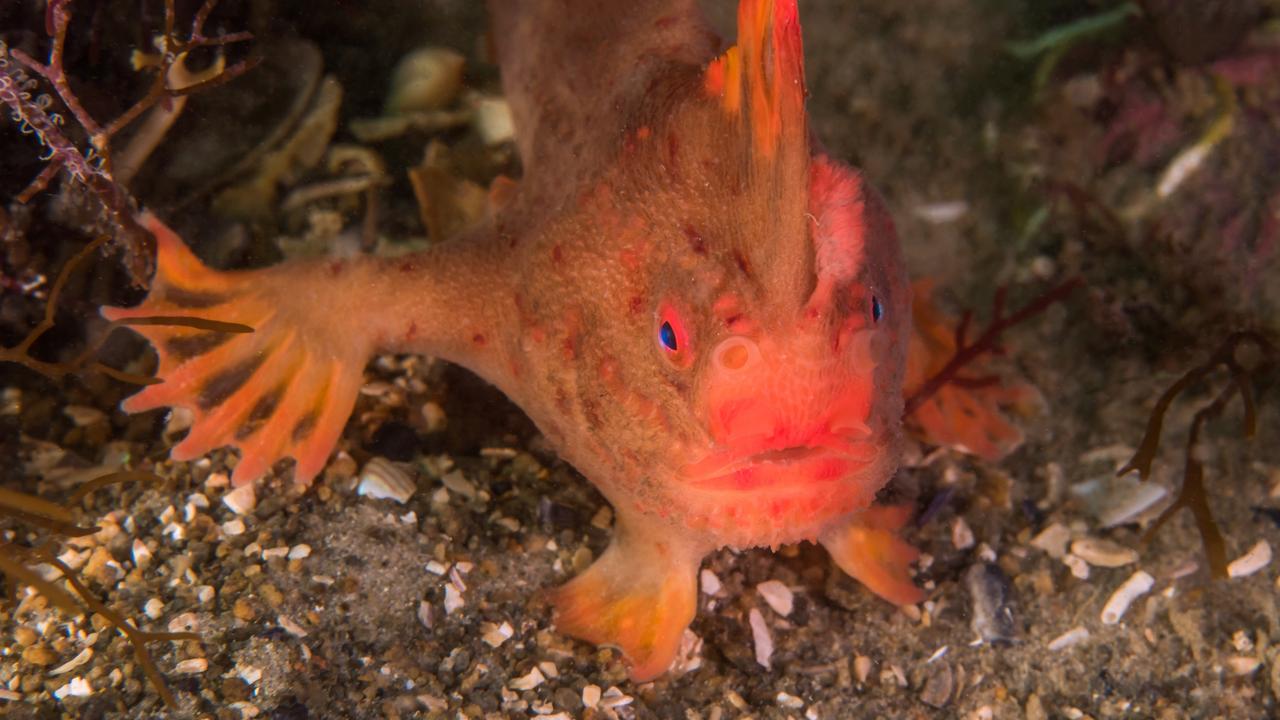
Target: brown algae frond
column 1244, row 355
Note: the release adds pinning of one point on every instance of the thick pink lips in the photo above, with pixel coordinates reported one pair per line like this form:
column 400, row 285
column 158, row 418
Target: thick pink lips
column 824, row 459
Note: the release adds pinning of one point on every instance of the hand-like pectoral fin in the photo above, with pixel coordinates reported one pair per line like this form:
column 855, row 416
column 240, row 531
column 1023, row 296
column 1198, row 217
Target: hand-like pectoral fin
column 868, row 549
column 639, row 596
column 281, row 386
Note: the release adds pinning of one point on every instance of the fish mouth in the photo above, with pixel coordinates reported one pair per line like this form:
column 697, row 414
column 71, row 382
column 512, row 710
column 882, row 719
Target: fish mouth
column 821, row 461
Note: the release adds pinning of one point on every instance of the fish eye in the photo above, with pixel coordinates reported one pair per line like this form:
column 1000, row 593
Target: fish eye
column 672, row 336
column 877, row 310
column 667, row 336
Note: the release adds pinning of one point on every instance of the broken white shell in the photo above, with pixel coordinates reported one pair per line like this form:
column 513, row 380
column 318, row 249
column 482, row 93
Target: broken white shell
column 426, row 79
column 383, row 479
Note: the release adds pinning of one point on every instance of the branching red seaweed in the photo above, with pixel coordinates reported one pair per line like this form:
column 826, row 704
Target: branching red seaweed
column 986, row 343
column 20, row 76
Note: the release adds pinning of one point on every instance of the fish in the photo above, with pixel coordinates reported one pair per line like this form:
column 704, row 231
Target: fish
column 701, row 310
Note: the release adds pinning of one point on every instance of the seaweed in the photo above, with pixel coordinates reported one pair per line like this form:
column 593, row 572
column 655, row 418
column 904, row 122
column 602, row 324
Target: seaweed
column 92, row 170
column 987, row 343
column 1242, row 368
column 19, row 564
column 21, row 353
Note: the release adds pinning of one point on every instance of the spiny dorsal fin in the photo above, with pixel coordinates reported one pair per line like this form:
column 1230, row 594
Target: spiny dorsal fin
column 758, row 86
column 766, row 69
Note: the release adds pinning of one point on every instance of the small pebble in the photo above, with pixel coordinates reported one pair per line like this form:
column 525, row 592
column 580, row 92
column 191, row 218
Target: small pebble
column 75, row 662
column 1243, row 664
column 382, row 479
column 788, row 700
column 452, row 599
column 1053, row 540
column 1103, row 553
column 614, row 698
column 300, row 552
column 242, row 500
column 274, row 553
column 991, row 597
column 1074, row 636
column 78, row 687
column 141, row 554
column 424, row 614
column 761, row 638
column 83, row 416
column 233, row 527
column 39, row 655
column 186, row 622
column 961, row 534
column 290, row 626
column 778, row 596
column 710, row 583
column 938, row 686
column 1258, row 557
column 194, row 666
column 496, row 635
column 1135, row 587
column 1079, row 568
column 153, row 609
column 1118, row 500
column 493, row 120
column 861, row 668
column 529, row 681
column 591, row 696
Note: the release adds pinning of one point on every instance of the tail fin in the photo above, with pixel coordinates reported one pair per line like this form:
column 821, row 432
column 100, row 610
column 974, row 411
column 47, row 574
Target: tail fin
column 284, row 390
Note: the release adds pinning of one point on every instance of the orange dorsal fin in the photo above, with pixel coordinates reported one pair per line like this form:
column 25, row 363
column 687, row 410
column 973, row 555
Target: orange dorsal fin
column 764, row 75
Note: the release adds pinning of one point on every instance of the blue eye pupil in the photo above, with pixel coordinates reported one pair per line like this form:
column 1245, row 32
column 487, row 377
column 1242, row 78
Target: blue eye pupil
column 667, row 335
column 877, row 311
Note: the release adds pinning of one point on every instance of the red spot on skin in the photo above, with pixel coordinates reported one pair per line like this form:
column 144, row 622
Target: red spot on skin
column 479, row 339
column 714, row 78
column 407, row 266
column 635, row 305
column 673, row 149
column 537, row 335
column 741, row 260
column 726, row 307
column 696, row 243
column 608, row 372
column 643, row 133
column 412, row 332
column 336, row 267
column 570, row 348
column 665, row 21
column 557, row 254
column 631, row 258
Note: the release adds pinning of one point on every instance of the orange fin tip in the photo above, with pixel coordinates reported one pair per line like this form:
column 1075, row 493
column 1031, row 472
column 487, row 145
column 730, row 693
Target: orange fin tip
column 868, row 548
column 639, row 597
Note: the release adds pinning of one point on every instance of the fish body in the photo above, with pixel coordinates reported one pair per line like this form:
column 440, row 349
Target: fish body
column 702, row 312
